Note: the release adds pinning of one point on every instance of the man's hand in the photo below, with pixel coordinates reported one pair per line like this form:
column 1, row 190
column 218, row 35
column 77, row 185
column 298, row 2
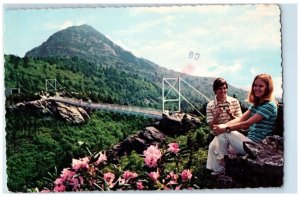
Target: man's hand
column 217, row 112
column 230, row 113
column 218, row 129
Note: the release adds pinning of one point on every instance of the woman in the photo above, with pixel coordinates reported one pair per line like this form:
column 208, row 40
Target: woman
column 259, row 118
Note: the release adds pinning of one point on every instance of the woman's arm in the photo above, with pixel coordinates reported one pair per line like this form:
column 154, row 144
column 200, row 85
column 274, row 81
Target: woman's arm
column 245, row 124
column 236, row 125
column 242, row 118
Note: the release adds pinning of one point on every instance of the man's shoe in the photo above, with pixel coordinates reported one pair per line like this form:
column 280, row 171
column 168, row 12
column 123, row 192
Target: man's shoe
column 219, row 171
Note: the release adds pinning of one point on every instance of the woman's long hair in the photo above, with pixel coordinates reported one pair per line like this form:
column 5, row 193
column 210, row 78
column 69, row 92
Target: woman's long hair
column 268, row 96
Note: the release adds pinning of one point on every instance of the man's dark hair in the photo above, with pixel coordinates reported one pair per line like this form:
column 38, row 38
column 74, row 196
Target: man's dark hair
column 218, row 83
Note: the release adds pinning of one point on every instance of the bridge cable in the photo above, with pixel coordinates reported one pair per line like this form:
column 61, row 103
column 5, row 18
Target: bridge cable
column 185, row 99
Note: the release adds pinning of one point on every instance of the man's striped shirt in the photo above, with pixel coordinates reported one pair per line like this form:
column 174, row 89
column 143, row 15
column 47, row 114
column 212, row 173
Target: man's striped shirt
column 230, row 102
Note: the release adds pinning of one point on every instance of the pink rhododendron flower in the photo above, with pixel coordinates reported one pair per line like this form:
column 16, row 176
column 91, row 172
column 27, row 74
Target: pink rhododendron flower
column 139, row 185
column 59, row 188
column 186, row 175
column 173, row 148
column 152, row 155
column 109, row 178
column 153, row 176
column 173, row 177
column 59, row 181
column 101, row 158
column 128, row 175
column 92, row 170
column 67, row 174
column 76, row 182
column 81, row 163
column 177, row 188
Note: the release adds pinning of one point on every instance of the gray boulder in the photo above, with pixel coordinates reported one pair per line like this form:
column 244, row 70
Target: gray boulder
column 262, row 166
column 178, row 123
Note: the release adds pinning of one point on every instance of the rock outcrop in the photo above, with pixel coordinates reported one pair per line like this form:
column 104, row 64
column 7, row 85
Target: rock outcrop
column 177, row 123
column 262, row 166
column 69, row 113
column 138, row 142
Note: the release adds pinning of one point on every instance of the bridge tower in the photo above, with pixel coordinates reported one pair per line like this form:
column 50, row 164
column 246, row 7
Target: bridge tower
column 54, row 85
column 176, row 87
column 51, row 84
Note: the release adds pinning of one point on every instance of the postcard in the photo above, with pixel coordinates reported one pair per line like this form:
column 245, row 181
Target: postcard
column 143, row 98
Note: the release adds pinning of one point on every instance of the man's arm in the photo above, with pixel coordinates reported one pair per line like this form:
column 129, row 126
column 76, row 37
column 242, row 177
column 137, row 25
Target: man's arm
column 212, row 117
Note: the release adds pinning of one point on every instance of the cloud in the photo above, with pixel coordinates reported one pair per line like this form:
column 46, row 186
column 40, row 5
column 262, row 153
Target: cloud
column 177, row 9
column 63, row 25
column 198, row 31
column 155, row 23
column 254, row 71
column 267, row 18
column 214, row 69
column 124, row 46
column 162, row 53
column 261, row 11
column 242, row 26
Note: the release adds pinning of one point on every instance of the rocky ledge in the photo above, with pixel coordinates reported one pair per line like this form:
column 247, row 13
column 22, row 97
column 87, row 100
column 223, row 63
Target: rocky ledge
column 170, row 124
column 262, row 166
column 69, row 113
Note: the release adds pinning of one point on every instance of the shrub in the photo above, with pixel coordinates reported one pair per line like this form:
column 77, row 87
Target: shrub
column 137, row 172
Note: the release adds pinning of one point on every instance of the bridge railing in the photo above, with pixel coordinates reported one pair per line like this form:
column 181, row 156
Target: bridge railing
column 112, row 107
column 53, row 83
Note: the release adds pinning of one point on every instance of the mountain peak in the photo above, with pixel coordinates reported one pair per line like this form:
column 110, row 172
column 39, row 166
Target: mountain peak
column 83, row 27
column 81, row 41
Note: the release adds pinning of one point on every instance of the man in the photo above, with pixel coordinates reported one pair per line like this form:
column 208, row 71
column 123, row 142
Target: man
column 220, row 110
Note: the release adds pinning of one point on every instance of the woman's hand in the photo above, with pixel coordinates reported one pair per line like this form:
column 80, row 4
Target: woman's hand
column 218, row 129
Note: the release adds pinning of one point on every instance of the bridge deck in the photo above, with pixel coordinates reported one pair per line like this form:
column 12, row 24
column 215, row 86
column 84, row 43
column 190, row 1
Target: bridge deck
column 111, row 107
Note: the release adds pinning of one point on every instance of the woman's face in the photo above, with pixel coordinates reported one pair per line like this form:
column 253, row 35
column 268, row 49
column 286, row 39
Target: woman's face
column 259, row 88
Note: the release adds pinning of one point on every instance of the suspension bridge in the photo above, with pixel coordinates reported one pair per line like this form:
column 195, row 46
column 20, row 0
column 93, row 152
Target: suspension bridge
column 171, row 92
column 124, row 109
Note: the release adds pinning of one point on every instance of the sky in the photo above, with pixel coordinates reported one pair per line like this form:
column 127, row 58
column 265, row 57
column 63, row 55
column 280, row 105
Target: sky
column 236, row 42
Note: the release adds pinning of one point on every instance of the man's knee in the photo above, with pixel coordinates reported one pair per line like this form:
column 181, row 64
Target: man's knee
column 222, row 138
column 212, row 146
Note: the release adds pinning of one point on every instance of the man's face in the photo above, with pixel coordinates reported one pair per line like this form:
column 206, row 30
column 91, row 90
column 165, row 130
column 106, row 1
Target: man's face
column 221, row 92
